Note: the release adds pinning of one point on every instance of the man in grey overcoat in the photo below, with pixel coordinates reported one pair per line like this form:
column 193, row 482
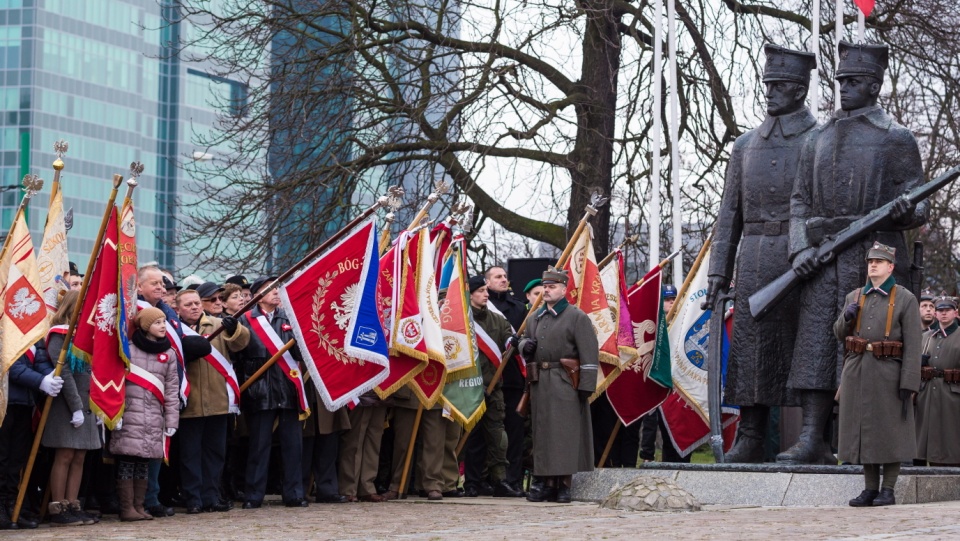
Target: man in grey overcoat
column 556, row 334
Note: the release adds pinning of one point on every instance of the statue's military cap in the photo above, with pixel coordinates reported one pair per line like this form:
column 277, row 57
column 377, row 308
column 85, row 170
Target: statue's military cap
column 862, row 59
column 787, row 65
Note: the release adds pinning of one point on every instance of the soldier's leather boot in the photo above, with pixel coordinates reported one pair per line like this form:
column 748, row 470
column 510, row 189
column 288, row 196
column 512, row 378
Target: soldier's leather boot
column 865, row 499
column 750, row 432
column 811, row 448
column 885, row 498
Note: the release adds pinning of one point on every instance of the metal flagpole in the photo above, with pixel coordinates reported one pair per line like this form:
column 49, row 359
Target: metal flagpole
column 653, row 225
column 674, row 138
column 838, row 35
column 861, row 25
column 814, row 91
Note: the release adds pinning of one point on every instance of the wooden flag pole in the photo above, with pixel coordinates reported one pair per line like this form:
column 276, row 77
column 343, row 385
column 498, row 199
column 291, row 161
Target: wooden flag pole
column 25, row 480
column 596, row 202
column 688, row 279
column 619, row 423
column 440, row 188
column 391, row 199
column 270, row 362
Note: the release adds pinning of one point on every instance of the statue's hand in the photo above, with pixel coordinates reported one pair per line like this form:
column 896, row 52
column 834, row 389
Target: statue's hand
column 806, row 264
column 715, row 284
column 903, row 210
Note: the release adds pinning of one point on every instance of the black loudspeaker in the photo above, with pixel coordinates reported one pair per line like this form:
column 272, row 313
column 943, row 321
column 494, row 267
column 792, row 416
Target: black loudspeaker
column 521, row 271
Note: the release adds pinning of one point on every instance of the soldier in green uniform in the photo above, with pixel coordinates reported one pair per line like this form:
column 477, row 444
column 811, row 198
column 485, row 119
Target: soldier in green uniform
column 487, row 446
column 562, row 353
column 880, row 331
column 938, row 404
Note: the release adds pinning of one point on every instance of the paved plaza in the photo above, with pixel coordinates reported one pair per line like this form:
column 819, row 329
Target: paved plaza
column 490, row 519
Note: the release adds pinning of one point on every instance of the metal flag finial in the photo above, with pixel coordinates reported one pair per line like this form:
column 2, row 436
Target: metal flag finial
column 59, row 148
column 32, row 184
column 136, row 169
column 440, row 187
column 394, row 198
column 597, row 200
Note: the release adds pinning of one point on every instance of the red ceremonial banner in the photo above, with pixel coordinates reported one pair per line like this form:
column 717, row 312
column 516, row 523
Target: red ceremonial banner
column 99, row 326
column 400, row 314
column 332, row 308
column 633, row 394
column 428, row 384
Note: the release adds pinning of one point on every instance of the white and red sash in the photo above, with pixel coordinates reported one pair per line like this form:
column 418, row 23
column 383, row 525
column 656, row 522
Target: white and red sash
column 271, row 340
column 488, row 345
column 225, row 369
column 54, row 329
column 177, row 346
column 153, row 385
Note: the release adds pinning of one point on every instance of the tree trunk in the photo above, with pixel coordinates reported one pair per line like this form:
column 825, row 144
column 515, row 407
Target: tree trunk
column 592, row 154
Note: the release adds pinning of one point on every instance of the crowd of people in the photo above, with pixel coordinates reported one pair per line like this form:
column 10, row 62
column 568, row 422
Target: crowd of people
column 206, row 454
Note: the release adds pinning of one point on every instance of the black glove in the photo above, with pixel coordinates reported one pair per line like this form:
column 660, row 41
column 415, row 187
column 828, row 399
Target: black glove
column 851, row 311
column 513, row 342
column 229, row 324
column 529, row 348
column 905, row 394
column 902, row 211
column 584, row 395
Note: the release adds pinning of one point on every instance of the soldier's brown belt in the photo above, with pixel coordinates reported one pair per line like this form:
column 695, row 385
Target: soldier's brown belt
column 571, row 366
column 881, row 349
column 949, row 375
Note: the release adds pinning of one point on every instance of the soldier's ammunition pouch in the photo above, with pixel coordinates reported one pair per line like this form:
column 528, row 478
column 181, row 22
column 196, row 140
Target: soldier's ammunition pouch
column 886, row 349
column 927, row 373
column 951, row 375
column 572, row 367
column 855, row 344
column 533, row 372
column 881, row 349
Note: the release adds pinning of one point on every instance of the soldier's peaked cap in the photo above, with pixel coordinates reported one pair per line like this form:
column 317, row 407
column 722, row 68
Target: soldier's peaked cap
column 946, row 303
column 787, row 65
column 862, row 59
column 882, row 251
column 554, row 276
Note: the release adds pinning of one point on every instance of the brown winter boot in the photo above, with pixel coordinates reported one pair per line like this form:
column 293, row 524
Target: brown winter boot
column 139, row 493
column 125, row 495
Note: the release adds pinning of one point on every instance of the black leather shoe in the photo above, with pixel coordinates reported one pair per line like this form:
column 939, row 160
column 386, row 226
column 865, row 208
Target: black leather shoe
column 250, row 504
column 453, row 494
column 471, row 492
column 865, row 499
column 194, row 510
column 332, row 498
column 504, row 490
column 160, row 511
column 563, row 494
column 885, row 498
column 485, row 489
column 546, row 494
column 300, row 502
column 219, row 507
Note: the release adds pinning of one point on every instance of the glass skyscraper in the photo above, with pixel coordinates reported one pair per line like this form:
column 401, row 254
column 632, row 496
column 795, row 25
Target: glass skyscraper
column 103, row 76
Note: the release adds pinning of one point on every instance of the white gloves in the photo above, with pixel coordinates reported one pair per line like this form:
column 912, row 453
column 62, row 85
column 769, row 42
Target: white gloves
column 119, row 424
column 169, row 432
column 51, row 384
column 77, row 420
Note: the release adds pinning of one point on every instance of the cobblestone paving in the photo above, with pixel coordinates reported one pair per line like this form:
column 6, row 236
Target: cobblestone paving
column 490, row 519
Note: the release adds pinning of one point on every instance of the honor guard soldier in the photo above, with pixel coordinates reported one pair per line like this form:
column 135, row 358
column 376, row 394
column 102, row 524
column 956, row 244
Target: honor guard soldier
column 928, row 312
column 562, row 353
column 938, row 404
column 880, row 331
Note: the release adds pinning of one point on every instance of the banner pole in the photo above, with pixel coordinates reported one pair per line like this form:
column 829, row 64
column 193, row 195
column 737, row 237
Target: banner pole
column 25, row 480
column 689, row 278
column 270, row 362
column 392, row 199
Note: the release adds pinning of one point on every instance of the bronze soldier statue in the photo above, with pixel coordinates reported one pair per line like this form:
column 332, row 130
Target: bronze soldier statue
column 857, row 161
column 754, row 217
